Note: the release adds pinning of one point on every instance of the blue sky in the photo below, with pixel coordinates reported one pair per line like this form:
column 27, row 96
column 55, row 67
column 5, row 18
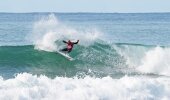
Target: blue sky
column 85, row 6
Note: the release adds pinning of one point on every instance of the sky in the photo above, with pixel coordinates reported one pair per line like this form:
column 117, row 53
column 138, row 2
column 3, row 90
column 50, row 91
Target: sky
column 103, row 6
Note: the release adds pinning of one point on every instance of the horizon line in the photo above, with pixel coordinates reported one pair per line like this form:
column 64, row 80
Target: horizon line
column 83, row 12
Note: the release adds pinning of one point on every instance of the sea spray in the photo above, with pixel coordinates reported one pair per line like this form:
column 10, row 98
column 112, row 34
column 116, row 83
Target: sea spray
column 48, row 31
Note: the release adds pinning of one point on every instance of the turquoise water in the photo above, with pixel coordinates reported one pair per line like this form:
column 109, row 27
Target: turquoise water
column 115, row 49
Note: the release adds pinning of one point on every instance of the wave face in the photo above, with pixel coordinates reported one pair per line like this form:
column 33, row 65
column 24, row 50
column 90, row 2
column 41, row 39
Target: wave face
column 26, row 58
column 100, row 59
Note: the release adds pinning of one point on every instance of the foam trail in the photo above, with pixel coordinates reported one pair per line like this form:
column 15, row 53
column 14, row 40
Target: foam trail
column 27, row 86
column 48, row 30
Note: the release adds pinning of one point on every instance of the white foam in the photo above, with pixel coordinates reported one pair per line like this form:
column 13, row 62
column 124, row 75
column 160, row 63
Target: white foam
column 48, row 30
column 26, row 86
column 156, row 60
column 146, row 60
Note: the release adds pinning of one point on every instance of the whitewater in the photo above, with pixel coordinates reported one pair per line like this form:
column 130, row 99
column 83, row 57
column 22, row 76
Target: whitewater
column 120, row 56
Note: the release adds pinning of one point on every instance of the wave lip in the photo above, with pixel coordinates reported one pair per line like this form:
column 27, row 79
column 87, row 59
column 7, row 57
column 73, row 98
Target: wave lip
column 28, row 86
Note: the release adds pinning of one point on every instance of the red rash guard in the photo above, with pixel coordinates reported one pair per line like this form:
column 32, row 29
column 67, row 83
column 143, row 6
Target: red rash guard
column 70, row 45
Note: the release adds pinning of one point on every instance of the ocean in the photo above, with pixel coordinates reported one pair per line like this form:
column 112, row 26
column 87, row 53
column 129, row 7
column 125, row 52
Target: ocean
column 120, row 56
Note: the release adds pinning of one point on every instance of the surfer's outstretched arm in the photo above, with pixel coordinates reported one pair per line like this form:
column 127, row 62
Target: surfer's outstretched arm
column 64, row 41
column 76, row 42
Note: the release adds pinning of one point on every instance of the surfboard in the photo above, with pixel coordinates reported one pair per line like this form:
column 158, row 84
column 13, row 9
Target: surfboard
column 65, row 55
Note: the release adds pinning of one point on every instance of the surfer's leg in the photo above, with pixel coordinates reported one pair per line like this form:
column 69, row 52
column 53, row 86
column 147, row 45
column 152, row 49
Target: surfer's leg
column 69, row 51
column 65, row 49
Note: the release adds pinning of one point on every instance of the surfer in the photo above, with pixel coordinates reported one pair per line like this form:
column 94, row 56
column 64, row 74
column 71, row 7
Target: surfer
column 69, row 46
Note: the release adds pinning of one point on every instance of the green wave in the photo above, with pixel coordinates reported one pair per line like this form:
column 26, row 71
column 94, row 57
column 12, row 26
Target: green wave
column 99, row 59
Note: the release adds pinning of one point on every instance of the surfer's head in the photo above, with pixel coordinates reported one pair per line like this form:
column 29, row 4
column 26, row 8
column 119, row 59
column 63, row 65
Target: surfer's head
column 69, row 41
